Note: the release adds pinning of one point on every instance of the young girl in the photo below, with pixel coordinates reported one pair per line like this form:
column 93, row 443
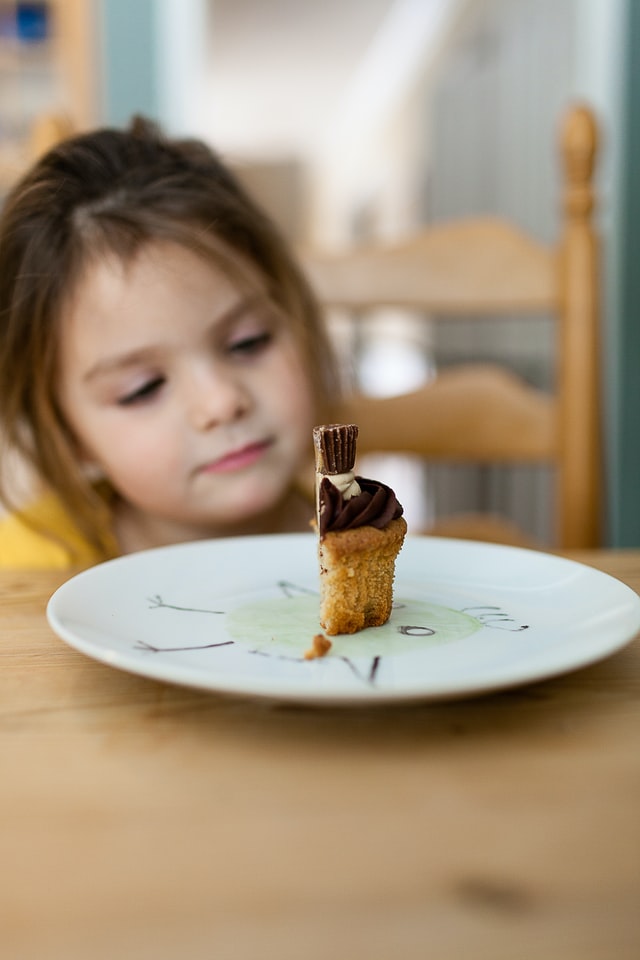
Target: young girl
column 162, row 359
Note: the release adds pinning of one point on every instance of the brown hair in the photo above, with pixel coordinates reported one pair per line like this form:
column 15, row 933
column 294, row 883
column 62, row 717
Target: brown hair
column 111, row 192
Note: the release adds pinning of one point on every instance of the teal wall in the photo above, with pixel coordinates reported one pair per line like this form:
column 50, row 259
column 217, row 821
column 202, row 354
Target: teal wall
column 625, row 473
column 129, row 54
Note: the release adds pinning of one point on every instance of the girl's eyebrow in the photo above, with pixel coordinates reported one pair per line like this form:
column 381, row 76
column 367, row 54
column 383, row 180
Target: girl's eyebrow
column 122, row 361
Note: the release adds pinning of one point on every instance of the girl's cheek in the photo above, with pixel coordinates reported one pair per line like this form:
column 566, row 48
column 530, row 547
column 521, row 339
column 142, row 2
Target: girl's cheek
column 125, row 445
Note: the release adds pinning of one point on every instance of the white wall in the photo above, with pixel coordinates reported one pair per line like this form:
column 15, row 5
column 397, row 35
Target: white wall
column 182, row 65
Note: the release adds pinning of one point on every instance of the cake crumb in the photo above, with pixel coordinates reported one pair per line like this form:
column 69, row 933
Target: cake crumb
column 319, row 648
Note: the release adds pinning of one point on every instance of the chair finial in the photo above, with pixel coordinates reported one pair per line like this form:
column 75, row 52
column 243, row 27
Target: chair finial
column 579, row 140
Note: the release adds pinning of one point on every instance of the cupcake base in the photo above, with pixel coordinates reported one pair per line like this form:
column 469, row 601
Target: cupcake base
column 357, row 568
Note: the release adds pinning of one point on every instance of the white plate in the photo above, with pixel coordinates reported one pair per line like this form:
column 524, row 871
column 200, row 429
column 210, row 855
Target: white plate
column 237, row 616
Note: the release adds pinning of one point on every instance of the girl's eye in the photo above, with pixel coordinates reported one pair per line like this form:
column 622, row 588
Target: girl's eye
column 247, row 346
column 145, row 392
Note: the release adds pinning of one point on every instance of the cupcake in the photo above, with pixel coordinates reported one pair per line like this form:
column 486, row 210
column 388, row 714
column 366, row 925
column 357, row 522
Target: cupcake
column 361, row 531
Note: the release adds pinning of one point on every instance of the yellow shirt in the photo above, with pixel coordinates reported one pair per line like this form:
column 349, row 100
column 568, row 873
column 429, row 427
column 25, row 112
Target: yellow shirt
column 23, row 548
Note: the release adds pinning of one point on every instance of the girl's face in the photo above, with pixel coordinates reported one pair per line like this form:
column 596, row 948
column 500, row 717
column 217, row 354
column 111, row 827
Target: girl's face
column 188, row 392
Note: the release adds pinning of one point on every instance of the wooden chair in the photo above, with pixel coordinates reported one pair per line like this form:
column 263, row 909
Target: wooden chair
column 47, row 130
column 481, row 413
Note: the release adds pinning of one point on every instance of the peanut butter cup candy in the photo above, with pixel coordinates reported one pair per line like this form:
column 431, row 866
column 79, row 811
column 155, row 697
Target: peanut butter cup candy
column 360, row 533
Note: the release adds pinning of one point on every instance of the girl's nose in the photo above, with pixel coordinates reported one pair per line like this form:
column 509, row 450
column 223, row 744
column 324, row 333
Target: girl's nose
column 216, row 398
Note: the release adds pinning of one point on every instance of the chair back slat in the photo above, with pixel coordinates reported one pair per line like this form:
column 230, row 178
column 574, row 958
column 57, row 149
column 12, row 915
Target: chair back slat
column 469, row 267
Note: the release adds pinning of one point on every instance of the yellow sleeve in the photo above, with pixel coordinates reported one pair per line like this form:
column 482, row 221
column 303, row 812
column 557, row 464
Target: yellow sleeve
column 23, row 548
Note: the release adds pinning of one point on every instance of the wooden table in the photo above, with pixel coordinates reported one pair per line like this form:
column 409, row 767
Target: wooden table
column 140, row 820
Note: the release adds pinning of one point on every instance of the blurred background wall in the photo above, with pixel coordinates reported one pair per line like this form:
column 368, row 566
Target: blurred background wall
column 360, row 118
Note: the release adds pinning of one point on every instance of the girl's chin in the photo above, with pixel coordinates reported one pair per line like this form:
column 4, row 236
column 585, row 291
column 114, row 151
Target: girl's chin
column 252, row 513
column 250, row 507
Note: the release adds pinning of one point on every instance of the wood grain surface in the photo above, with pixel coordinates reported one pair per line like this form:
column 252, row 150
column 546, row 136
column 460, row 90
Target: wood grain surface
column 143, row 820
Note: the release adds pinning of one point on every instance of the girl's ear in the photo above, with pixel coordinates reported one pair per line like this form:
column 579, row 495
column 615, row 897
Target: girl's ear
column 89, row 466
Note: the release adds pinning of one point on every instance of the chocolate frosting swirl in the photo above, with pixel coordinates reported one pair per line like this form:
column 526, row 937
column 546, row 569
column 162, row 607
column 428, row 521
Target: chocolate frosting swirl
column 376, row 506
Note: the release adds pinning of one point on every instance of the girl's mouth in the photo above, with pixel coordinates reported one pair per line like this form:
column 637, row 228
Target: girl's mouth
column 238, row 459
